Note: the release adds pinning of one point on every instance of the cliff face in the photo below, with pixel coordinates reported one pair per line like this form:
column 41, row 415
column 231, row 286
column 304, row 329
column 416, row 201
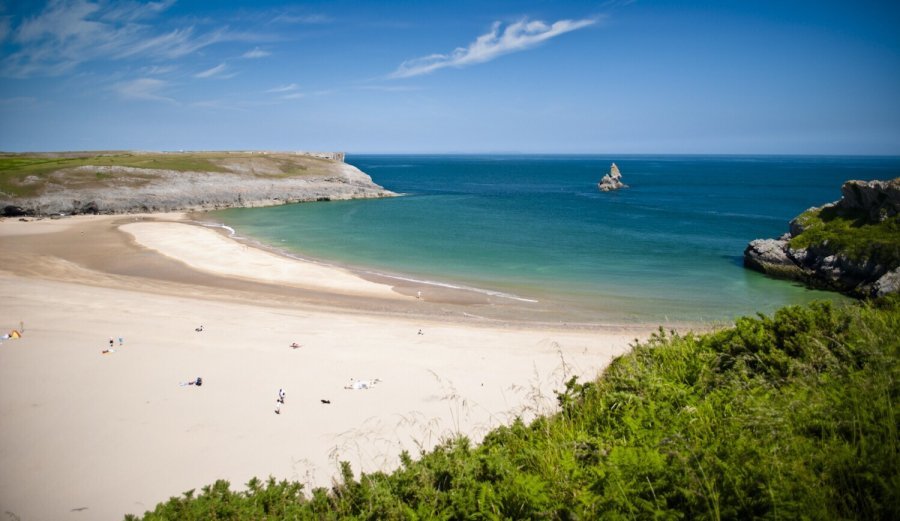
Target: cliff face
column 224, row 181
column 852, row 245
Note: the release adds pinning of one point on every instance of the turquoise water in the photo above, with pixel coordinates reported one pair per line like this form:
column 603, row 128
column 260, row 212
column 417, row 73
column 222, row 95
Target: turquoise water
column 667, row 248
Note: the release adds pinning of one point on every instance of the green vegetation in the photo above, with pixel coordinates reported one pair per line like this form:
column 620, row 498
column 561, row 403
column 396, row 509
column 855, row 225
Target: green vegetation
column 852, row 234
column 790, row 416
column 25, row 175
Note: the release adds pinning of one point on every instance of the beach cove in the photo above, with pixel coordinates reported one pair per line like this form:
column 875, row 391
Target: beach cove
column 665, row 250
column 99, row 435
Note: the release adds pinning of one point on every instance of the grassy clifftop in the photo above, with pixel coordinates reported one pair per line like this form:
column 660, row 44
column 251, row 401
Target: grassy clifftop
column 789, row 416
column 851, row 233
column 28, row 174
column 122, row 182
column 852, row 245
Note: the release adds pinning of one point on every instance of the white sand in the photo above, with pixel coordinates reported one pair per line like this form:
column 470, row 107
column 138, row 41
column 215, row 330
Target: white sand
column 87, row 435
column 204, row 249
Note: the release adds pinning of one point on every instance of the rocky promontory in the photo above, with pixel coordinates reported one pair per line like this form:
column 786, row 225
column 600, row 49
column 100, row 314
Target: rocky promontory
column 852, row 245
column 129, row 182
column 612, row 180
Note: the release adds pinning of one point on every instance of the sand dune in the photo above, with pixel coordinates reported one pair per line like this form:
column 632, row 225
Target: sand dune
column 88, row 435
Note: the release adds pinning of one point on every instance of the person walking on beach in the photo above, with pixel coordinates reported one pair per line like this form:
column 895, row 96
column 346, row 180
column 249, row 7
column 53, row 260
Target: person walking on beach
column 110, row 342
column 281, row 395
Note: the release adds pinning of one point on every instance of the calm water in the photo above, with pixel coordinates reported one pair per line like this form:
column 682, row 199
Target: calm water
column 668, row 247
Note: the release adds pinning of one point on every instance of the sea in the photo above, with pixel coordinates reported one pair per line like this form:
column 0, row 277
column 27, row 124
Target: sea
column 535, row 228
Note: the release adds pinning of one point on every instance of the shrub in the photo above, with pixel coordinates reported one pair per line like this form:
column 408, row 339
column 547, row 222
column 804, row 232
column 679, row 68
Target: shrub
column 788, row 416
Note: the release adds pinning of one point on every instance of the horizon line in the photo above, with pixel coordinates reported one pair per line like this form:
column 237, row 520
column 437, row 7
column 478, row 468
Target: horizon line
column 454, row 153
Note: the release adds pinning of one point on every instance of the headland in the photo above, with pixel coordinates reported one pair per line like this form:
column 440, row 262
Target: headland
column 70, row 183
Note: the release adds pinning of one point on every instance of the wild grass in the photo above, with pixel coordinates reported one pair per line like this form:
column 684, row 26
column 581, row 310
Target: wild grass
column 852, row 234
column 786, row 416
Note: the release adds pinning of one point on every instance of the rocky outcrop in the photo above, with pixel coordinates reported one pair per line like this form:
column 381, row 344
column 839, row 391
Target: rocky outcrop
column 879, row 200
column 823, row 265
column 612, row 180
column 133, row 190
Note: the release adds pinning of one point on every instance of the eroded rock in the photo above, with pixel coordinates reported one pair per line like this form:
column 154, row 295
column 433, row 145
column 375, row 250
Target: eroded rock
column 612, row 180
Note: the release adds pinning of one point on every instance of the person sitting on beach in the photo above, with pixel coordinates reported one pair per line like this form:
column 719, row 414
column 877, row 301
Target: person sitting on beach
column 199, row 329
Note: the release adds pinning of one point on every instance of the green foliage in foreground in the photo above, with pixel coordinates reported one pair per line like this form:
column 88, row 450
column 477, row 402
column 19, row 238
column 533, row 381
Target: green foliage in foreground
column 851, row 234
column 790, row 416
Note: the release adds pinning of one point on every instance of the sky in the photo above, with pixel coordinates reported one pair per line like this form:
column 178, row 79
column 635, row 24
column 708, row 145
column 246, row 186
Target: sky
column 608, row 77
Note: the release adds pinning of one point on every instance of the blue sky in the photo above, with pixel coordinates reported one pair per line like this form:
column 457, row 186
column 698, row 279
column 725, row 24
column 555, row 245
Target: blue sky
column 644, row 76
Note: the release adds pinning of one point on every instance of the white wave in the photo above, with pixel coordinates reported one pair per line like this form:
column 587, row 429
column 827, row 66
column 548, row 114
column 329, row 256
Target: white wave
column 233, row 234
column 489, row 292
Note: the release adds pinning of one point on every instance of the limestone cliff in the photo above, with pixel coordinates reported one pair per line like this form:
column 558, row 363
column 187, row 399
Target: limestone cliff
column 612, row 180
column 154, row 182
column 852, row 245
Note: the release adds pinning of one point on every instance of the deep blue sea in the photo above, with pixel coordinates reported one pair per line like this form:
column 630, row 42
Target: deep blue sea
column 667, row 248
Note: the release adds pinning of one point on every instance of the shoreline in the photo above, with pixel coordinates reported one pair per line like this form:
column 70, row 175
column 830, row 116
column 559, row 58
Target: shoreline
column 527, row 307
column 115, row 433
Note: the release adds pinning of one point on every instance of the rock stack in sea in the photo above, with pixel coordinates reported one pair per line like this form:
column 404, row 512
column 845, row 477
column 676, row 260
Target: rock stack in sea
column 860, row 263
column 612, row 180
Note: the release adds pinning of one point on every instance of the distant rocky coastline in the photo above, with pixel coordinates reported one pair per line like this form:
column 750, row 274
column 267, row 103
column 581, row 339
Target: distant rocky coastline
column 852, row 245
column 612, row 180
column 261, row 180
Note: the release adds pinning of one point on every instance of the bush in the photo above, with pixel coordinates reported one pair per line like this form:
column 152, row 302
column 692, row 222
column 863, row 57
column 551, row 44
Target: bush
column 789, row 416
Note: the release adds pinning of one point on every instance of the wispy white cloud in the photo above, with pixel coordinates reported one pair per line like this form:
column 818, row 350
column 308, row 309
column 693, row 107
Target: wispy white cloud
column 290, row 18
column 390, row 88
column 513, row 38
column 130, row 11
column 214, row 72
column 255, row 53
column 218, row 105
column 5, row 25
column 18, row 101
column 173, row 44
column 284, row 88
column 158, row 69
column 68, row 33
column 293, row 95
column 147, row 89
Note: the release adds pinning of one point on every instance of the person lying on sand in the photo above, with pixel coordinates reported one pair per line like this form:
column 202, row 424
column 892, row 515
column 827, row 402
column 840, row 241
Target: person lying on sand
column 198, row 382
column 295, row 345
column 356, row 385
column 107, row 351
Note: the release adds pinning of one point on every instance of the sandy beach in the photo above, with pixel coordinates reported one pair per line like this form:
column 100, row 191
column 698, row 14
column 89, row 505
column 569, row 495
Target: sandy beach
column 93, row 435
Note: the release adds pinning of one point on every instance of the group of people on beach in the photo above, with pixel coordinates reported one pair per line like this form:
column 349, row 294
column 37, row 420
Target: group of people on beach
column 112, row 343
column 279, row 400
